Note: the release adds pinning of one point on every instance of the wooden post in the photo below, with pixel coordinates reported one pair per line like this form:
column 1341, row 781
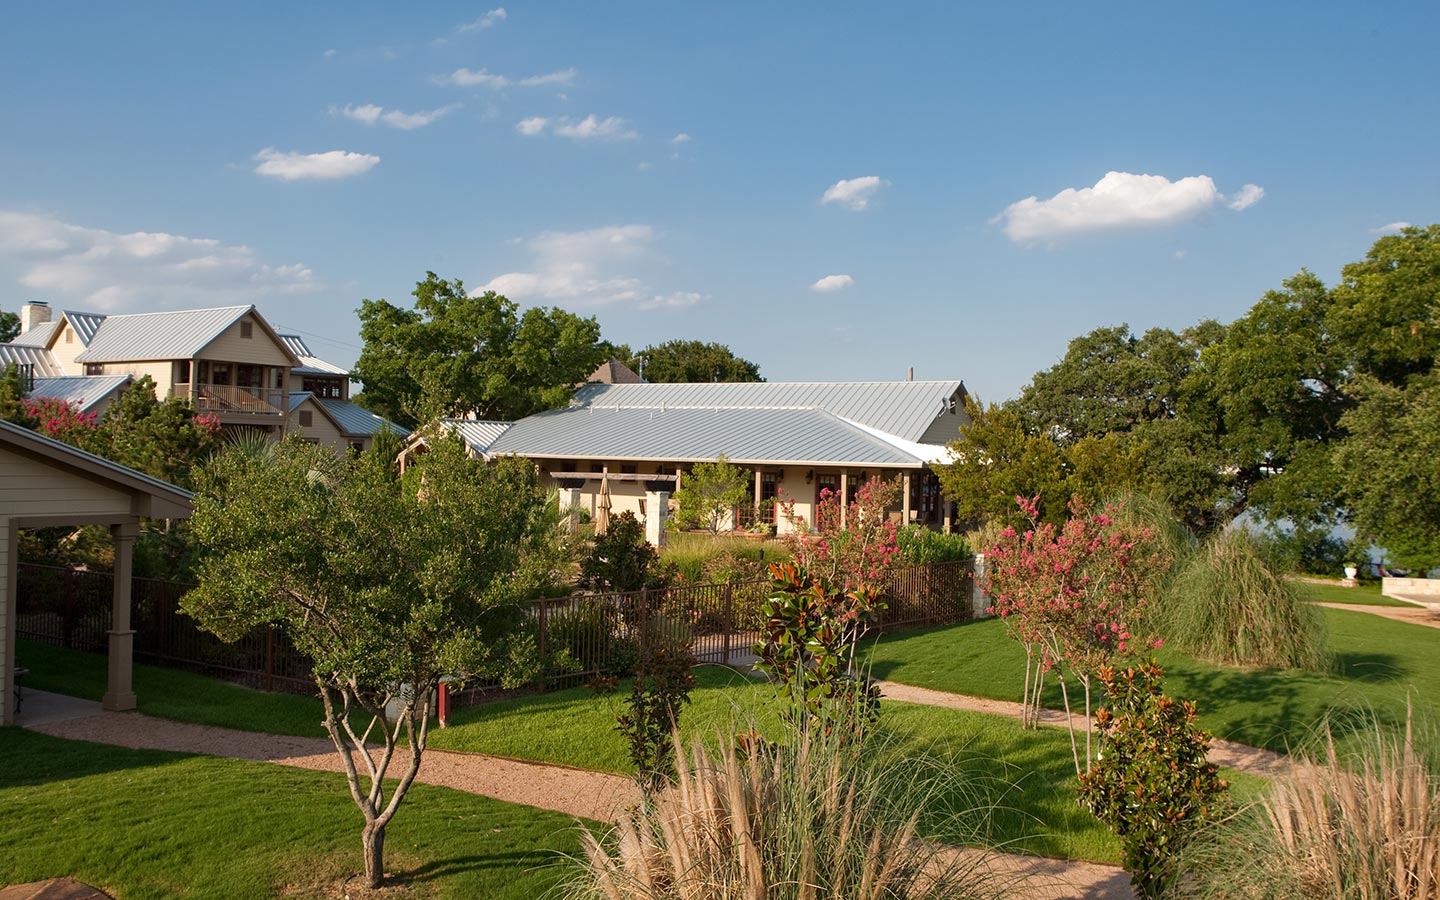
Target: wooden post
column 119, row 689
column 844, row 495
column 757, row 498
column 904, row 499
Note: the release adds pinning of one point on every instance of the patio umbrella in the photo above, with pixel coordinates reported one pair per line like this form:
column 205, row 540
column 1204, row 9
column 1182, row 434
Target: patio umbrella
column 602, row 515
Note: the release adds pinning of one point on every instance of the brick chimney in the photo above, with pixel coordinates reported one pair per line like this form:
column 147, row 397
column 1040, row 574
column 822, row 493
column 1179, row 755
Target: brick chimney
column 36, row 312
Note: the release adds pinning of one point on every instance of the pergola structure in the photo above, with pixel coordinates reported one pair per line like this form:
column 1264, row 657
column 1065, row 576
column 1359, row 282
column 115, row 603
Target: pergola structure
column 44, row 483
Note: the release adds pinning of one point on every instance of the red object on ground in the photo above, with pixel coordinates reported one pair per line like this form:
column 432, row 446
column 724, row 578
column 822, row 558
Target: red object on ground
column 444, row 703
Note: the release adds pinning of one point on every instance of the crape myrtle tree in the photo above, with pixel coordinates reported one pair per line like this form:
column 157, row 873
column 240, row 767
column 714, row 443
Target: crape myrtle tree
column 387, row 583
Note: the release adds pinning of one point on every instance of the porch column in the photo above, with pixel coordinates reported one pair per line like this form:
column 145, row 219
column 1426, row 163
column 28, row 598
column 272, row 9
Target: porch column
column 844, row 495
column 904, row 499
column 119, row 692
column 757, row 497
column 657, row 511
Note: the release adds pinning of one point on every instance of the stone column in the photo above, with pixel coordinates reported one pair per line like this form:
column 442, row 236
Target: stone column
column 119, row 690
column 979, row 600
column 570, row 504
column 657, row 511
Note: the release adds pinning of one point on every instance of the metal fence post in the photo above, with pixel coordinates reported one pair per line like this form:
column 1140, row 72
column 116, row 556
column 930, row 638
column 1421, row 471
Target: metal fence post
column 729, row 629
column 270, row 658
column 541, row 643
column 67, row 612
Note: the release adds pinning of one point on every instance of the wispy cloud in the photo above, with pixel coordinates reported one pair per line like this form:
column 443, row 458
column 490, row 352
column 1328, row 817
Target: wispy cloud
column 854, row 193
column 681, row 138
column 486, row 78
column 489, row 20
column 610, row 128
column 330, row 165
column 1392, row 228
column 111, row 270
column 370, row 114
column 831, row 283
column 329, row 54
column 593, row 267
column 1120, row 200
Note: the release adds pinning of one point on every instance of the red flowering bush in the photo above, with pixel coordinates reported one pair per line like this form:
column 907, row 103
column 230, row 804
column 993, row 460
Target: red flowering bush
column 1074, row 597
column 61, row 421
column 857, row 554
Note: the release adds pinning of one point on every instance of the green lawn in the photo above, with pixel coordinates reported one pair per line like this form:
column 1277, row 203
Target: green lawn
column 1366, row 594
column 173, row 693
column 145, row 824
column 1379, row 663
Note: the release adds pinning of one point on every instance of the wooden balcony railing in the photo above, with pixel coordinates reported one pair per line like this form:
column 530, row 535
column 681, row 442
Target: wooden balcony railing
column 222, row 399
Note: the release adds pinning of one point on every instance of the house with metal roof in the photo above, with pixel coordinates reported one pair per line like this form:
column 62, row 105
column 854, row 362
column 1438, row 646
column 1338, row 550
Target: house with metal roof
column 229, row 362
column 799, row 439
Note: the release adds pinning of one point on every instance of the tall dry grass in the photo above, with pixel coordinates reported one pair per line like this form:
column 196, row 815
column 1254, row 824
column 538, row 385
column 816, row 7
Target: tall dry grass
column 1357, row 824
column 813, row 819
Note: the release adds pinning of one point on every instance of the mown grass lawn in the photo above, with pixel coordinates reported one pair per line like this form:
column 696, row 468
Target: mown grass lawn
column 143, row 824
column 1379, row 664
column 1367, row 593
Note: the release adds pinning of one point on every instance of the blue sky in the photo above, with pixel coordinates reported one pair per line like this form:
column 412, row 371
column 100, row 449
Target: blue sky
column 666, row 167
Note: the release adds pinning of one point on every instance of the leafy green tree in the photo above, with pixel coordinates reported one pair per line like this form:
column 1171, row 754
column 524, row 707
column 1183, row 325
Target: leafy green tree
column 459, row 354
column 9, row 326
column 386, row 583
column 691, row 361
column 621, row 559
column 165, row 439
column 1386, row 310
column 709, row 492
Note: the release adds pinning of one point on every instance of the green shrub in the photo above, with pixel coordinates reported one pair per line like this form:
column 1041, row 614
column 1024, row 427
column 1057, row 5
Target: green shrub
column 589, row 637
column 1227, row 604
column 715, row 559
column 921, row 546
column 661, row 687
column 621, row 559
column 1151, row 782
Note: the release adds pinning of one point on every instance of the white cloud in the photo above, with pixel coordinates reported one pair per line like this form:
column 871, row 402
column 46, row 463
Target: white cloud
column 109, row 270
column 854, row 193
column 681, row 138
column 644, row 165
column 486, row 78
column 1181, row 254
column 486, row 21
column 369, row 113
column 1392, row 228
column 1119, row 200
column 330, row 54
column 590, row 267
column 329, row 165
column 832, row 283
column 1246, row 197
column 610, row 128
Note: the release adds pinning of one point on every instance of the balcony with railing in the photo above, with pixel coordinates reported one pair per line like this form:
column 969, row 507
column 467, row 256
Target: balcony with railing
column 240, row 402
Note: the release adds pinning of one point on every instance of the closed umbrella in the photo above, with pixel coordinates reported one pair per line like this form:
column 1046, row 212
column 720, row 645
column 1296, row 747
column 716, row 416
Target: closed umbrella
column 602, row 516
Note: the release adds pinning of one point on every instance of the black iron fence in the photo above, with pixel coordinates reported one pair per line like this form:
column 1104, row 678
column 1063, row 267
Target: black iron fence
column 579, row 637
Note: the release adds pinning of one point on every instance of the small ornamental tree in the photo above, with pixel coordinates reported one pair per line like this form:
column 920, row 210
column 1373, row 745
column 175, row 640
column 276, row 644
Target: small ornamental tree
column 661, row 687
column 708, row 493
column 1074, row 597
column 861, row 552
column 1153, row 783
column 621, row 559
column 386, row 583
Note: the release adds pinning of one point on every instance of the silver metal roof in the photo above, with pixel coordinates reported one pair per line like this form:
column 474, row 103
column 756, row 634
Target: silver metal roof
column 296, row 344
column 24, row 355
column 179, row 334
column 355, row 419
column 902, row 408
column 84, row 391
column 297, row 398
column 751, row 436
column 85, row 324
column 39, row 336
column 310, row 364
column 479, row 434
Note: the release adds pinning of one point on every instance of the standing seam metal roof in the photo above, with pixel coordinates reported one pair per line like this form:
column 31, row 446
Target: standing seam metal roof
column 902, row 408
column 310, row 364
column 749, row 436
column 39, row 336
column 85, row 324
column 25, row 355
column 84, row 391
column 164, row 335
column 356, row 419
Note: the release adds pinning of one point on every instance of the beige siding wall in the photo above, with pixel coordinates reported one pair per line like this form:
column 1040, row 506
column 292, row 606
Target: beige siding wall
column 31, row 488
column 64, row 352
column 259, row 349
column 321, row 429
column 163, row 373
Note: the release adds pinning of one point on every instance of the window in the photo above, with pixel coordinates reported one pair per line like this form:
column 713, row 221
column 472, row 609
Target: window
column 627, row 470
column 182, row 371
column 357, row 446
column 769, row 490
column 247, row 330
column 307, row 418
column 69, row 336
column 94, row 369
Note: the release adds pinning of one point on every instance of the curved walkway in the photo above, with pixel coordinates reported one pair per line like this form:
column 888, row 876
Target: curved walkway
column 1240, row 757
column 577, row 792
column 1414, row 615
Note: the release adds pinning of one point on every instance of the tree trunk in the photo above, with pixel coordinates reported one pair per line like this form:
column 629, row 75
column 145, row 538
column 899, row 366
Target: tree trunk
column 373, row 839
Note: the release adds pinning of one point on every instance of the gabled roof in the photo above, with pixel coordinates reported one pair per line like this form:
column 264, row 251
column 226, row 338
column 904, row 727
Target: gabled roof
column 38, row 336
column 162, row 500
column 904, row 409
column 179, row 334
column 41, row 359
column 748, row 436
column 613, row 371
column 83, row 391
column 478, row 434
column 85, row 324
column 310, row 364
column 350, row 418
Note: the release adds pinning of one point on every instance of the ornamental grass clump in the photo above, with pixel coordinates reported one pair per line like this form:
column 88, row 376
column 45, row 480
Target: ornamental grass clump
column 1361, row 824
column 1227, row 604
column 813, row 817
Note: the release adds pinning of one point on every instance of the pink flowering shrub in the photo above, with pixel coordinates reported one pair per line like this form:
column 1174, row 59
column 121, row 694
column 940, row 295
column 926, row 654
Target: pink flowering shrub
column 859, row 554
column 1075, row 598
column 61, row 421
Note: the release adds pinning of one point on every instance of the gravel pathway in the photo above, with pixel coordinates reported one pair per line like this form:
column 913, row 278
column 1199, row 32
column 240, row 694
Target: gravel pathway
column 1240, row 757
column 577, row 792
column 1415, row 615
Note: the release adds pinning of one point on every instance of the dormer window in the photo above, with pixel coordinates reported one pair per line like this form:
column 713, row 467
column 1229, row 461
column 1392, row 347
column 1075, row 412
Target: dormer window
column 247, row 329
column 94, row 368
column 307, row 418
